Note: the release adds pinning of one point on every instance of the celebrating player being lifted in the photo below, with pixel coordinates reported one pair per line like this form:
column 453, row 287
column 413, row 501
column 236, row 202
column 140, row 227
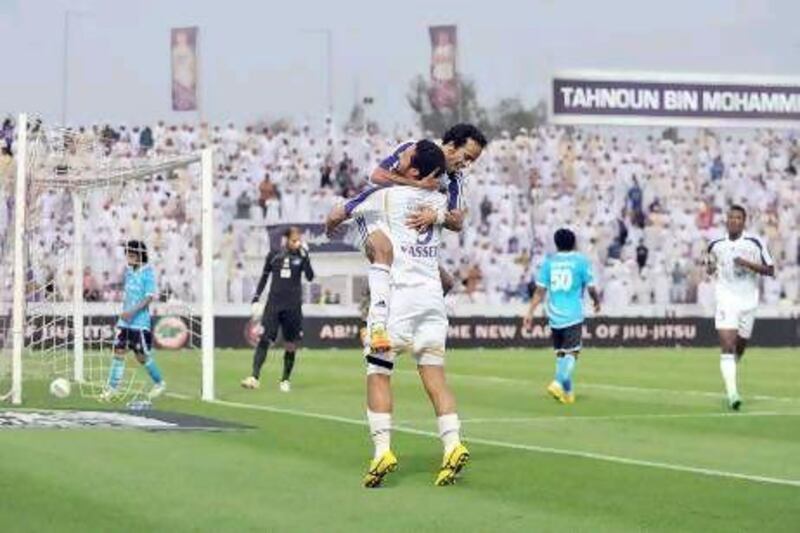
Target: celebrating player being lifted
column 417, row 321
column 284, row 307
column 737, row 261
column 462, row 144
column 563, row 277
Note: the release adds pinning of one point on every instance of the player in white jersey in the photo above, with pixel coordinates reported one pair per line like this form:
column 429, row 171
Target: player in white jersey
column 737, row 262
column 417, row 323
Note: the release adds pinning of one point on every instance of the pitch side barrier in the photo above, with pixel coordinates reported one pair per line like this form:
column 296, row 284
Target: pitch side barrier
column 239, row 331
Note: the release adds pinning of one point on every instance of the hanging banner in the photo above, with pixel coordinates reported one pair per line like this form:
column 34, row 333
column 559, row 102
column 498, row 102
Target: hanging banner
column 444, row 92
column 588, row 97
column 183, row 50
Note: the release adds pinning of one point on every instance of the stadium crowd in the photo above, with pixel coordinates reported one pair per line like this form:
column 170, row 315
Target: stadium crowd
column 643, row 207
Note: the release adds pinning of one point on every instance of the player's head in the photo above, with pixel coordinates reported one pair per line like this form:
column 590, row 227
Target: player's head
column 293, row 237
column 462, row 144
column 737, row 216
column 136, row 253
column 426, row 158
column 564, row 239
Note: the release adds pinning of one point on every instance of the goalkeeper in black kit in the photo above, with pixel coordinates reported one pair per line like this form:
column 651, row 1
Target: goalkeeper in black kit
column 284, row 307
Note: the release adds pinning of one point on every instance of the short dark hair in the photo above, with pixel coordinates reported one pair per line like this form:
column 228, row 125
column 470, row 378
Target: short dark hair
column 138, row 248
column 427, row 158
column 292, row 229
column 565, row 240
column 742, row 210
column 461, row 133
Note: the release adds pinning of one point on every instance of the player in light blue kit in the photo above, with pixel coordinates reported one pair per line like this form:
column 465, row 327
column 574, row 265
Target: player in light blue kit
column 562, row 278
column 133, row 326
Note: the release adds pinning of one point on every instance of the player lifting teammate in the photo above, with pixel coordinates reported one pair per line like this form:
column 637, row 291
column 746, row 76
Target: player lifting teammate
column 417, row 321
column 284, row 307
column 736, row 261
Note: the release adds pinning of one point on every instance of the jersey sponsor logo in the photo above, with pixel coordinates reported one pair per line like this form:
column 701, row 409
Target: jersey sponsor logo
column 171, row 332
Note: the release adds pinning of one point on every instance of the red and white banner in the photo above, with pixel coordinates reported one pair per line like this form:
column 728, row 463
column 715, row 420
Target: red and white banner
column 444, row 76
column 183, row 50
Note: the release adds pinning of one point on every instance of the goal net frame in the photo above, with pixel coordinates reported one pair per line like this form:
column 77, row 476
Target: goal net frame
column 76, row 189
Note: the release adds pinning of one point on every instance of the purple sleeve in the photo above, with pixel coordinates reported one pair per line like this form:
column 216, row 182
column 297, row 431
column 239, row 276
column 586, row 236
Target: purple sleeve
column 390, row 163
column 454, row 194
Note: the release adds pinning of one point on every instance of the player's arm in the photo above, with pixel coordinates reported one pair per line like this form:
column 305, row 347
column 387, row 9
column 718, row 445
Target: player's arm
column 425, row 217
column 340, row 213
column 595, row 296
column 128, row 314
column 381, row 176
column 710, row 260
column 454, row 220
column 588, row 279
column 767, row 265
column 372, row 204
column 335, row 218
column 763, row 268
column 450, row 216
column 542, row 281
column 538, row 298
column 387, row 172
column 307, row 269
column 262, row 282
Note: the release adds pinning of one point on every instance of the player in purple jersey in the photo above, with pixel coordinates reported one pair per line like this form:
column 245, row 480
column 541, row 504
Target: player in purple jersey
column 462, row 144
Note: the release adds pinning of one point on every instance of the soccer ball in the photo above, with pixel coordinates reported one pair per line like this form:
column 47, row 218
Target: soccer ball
column 60, row 388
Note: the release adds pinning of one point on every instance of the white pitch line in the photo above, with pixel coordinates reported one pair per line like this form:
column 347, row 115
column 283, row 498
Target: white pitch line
column 179, row 396
column 611, row 418
column 622, row 388
column 528, row 447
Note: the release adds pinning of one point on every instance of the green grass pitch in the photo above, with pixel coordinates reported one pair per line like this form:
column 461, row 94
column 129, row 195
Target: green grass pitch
column 648, row 446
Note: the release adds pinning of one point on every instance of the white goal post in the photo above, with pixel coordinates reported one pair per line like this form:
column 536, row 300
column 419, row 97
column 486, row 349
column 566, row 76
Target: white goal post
column 78, row 182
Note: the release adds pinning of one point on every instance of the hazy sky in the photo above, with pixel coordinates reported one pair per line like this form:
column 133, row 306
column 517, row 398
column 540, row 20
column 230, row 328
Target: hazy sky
column 263, row 59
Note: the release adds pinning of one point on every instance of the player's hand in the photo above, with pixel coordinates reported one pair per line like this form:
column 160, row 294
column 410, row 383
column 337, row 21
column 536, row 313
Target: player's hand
column 334, row 220
column 741, row 262
column 454, row 219
column 126, row 316
column 710, row 263
column 256, row 309
column 597, row 307
column 431, row 181
column 421, row 219
column 527, row 321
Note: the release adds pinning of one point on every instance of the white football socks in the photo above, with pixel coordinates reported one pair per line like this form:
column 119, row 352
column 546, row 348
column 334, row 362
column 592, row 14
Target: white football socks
column 449, row 431
column 379, row 288
column 380, row 430
column 727, row 365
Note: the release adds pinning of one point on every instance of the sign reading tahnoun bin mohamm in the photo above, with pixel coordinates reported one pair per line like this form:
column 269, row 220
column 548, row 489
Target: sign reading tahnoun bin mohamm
column 589, row 97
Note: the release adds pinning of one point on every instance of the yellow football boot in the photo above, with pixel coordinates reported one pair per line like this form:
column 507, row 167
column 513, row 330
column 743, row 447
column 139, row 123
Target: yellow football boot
column 452, row 463
column 556, row 391
column 378, row 468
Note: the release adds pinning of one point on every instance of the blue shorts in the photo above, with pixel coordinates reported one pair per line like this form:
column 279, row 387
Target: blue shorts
column 567, row 339
column 139, row 341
